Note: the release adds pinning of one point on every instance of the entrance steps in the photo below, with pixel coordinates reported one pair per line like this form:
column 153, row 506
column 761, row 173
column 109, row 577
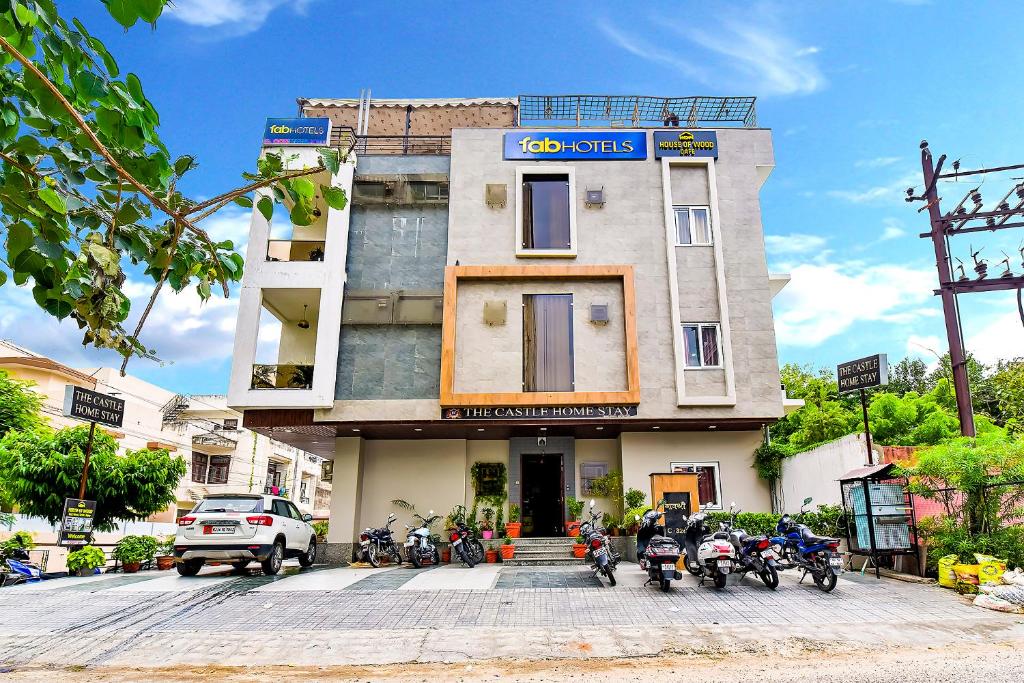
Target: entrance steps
column 544, row 552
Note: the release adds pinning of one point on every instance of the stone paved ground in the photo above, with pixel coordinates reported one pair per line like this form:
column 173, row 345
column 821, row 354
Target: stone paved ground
column 331, row 616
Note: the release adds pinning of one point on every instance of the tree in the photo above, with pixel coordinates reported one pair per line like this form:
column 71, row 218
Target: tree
column 983, row 395
column 43, row 468
column 87, row 187
column 19, row 405
column 1008, row 383
column 910, row 374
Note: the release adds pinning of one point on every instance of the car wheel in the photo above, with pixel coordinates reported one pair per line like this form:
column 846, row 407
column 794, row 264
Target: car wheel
column 240, row 565
column 189, row 567
column 272, row 565
column 309, row 557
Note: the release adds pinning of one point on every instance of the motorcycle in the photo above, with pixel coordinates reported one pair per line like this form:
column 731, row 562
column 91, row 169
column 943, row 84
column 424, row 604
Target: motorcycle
column 419, row 547
column 708, row 555
column 375, row 543
column 656, row 553
column 599, row 550
column 465, row 544
column 801, row 548
column 753, row 553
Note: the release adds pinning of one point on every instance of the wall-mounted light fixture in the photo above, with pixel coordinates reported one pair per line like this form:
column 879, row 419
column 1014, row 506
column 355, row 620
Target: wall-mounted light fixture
column 303, row 324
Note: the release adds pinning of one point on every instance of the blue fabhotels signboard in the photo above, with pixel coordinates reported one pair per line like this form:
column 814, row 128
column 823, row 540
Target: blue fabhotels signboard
column 685, row 143
column 297, row 132
column 577, row 144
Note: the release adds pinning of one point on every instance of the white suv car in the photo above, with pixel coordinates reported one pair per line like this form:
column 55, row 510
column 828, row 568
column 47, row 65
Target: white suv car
column 239, row 528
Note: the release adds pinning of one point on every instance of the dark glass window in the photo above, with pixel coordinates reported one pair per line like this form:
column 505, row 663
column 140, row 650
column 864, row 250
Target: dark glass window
column 208, row 469
column 547, row 342
column 701, row 345
column 546, row 212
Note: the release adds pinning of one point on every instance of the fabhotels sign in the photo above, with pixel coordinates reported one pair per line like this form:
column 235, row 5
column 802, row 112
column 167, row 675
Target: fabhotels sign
column 579, row 145
column 686, row 143
column 297, row 132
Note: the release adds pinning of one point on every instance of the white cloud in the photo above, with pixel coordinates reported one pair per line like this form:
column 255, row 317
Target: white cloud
column 755, row 55
column 1002, row 338
column 894, row 191
column 793, row 243
column 824, row 300
column 891, row 233
column 877, row 162
column 230, row 17
column 928, row 348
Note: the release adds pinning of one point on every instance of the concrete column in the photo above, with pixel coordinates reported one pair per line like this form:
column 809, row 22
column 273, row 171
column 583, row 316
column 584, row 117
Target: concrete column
column 346, row 499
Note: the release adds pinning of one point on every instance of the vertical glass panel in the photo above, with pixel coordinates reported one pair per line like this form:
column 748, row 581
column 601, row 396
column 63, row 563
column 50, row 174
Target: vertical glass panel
column 707, row 492
column 709, row 345
column 546, row 212
column 547, row 342
column 691, row 343
column 683, row 226
column 701, row 228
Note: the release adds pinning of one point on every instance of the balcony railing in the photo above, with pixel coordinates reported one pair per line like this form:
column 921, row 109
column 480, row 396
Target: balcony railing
column 404, row 144
column 295, row 250
column 283, row 376
column 218, row 440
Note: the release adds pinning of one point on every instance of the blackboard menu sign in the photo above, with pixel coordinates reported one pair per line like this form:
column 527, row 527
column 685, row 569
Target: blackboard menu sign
column 677, row 510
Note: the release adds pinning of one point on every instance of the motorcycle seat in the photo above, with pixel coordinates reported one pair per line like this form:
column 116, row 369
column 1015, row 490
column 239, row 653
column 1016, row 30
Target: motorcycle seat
column 809, row 538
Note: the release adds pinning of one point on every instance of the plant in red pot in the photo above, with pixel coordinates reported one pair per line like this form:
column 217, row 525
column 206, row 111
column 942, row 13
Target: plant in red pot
column 165, row 553
column 487, row 526
column 491, row 554
column 508, row 549
column 514, row 527
column 575, row 508
column 132, row 551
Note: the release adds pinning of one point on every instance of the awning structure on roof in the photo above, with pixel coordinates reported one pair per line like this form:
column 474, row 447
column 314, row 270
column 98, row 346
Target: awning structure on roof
column 881, row 470
column 426, row 102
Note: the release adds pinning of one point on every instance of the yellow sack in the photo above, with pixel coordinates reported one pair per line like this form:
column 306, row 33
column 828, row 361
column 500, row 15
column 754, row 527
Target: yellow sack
column 947, row 577
column 991, row 571
column 967, row 573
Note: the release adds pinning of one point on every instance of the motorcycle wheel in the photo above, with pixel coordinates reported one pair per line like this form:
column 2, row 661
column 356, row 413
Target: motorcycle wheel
column 437, row 557
column 476, row 549
column 371, row 556
column 691, row 568
column 464, row 556
column 610, row 573
column 414, row 557
column 666, row 584
column 720, row 580
column 825, row 580
column 770, row 577
column 396, row 556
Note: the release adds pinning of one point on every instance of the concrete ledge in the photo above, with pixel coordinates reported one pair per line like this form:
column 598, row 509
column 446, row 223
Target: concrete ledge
column 336, row 554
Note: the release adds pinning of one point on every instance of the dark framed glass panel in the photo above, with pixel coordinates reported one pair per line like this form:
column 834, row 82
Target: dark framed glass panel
column 546, row 212
column 219, row 466
column 547, row 342
column 200, row 463
column 709, row 345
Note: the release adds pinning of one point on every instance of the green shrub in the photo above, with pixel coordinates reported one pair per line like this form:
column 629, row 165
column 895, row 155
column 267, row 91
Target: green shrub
column 513, row 513
column 166, row 545
column 945, row 537
column 634, row 498
column 320, row 528
column 132, row 549
column 86, row 557
column 826, row 521
column 575, row 507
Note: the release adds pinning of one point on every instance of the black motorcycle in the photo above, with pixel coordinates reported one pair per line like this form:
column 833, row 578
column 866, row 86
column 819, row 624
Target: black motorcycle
column 376, row 543
column 657, row 553
column 465, row 544
column 753, row 553
column 599, row 551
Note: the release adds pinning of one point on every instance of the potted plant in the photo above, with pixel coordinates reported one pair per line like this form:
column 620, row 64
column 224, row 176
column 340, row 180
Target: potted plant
column 508, row 549
column 575, row 508
column 132, row 551
column 165, row 553
column 446, row 554
column 513, row 527
column 486, row 528
column 579, row 548
column 320, row 528
column 491, row 554
column 86, row 560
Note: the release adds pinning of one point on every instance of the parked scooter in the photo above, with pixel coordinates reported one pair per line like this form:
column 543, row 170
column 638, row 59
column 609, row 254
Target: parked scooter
column 465, row 544
column 419, row 548
column 599, row 550
column 657, row 553
column 753, row 553
column 816, row 555
column 708, row 555
column 375, row 543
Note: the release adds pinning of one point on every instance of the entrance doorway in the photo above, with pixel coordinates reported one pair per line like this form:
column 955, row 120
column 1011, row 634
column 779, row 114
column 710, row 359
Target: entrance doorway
column 543, row 498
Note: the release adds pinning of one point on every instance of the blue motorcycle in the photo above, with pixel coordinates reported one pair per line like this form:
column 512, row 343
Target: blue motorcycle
column 801, row 548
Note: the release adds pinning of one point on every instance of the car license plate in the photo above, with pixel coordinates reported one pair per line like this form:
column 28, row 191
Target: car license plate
column 668, row 567
column 218, row 529
column 457, row 542
column 836, row 562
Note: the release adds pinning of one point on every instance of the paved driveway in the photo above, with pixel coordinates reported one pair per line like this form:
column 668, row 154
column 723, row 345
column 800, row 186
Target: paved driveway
column 357, row 615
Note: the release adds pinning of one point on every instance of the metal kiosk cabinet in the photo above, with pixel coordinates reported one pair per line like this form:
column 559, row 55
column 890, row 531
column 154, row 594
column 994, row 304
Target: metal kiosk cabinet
column 880, row 519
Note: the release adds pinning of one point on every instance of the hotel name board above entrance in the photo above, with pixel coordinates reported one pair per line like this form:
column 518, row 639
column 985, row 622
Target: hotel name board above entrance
column 580, row 145
column 538, row 413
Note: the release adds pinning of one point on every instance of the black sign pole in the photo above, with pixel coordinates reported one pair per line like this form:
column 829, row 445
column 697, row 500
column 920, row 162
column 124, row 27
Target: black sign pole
column 867, row 428
column 85, row 467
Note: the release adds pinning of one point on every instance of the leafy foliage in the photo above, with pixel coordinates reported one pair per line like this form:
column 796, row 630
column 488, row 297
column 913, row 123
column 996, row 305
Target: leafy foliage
column 18, row 540
column 609, row 486
column 41, row 469
column 87, row 186
column 574, row 506
column 320, row 528
column 132, row 549
column 86, row 557
column 1008, row 386
column 827, row 520
column 946, row 536
column 19, row 405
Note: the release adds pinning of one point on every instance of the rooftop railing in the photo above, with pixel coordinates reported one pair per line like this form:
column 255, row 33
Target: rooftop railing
column 404, row 144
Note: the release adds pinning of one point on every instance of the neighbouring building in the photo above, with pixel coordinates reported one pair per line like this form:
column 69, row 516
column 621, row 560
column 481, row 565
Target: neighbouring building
column 563, row 285
column 220, row 455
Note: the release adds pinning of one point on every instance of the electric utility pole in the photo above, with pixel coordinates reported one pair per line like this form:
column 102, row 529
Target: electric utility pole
column 960, row 221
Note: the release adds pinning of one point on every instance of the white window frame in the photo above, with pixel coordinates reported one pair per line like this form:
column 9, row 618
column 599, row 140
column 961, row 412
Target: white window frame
column 700, row 337
column 546, row 253
column 718, row 481
column 689, row 209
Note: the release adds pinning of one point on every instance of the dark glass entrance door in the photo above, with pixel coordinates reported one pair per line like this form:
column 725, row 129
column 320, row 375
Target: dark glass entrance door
column 543, row 500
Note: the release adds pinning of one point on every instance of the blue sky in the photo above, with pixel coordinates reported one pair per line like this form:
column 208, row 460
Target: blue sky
column 849, row 88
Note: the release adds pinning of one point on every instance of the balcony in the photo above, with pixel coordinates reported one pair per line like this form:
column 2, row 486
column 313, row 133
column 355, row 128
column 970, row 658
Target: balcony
column 295, row 250
column 275, row 491
column 282, row 376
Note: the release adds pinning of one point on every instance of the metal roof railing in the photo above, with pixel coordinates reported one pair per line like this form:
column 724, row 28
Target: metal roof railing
column 636, row 111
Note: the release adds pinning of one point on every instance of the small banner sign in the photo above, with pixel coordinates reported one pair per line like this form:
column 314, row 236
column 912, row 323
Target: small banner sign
column 687, row 143
column 92, row 406
column 310, row 131
column 538, row 413
column 76, row 522
column 863, row 373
